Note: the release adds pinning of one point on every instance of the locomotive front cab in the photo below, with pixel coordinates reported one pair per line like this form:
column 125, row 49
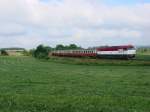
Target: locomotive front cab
column 131, row 52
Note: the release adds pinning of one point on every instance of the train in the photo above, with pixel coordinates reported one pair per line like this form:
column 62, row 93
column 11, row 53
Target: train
column 118, row 52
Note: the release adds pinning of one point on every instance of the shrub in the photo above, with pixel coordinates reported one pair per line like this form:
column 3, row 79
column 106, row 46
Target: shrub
column 4, row 53
column 41, row 52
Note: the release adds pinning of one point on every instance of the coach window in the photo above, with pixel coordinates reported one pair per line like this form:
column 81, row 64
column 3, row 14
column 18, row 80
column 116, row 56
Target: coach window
column 125, row 49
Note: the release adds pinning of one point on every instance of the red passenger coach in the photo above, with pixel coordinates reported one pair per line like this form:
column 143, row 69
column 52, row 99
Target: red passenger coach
column 75, row 53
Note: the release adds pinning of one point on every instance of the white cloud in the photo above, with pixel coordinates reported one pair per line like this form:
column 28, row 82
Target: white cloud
column 31, row 22
column 11, row 29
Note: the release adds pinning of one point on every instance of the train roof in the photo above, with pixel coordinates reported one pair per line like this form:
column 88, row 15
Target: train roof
column 109, row 48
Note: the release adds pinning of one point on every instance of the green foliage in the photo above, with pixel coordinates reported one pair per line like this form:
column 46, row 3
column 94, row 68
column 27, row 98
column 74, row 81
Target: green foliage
column 71, row 46
column 30, row 85
column 60, row 47
column 41, row 52
column 4, row 53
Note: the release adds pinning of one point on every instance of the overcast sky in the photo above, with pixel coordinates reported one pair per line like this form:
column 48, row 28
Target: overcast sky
column 28, row 23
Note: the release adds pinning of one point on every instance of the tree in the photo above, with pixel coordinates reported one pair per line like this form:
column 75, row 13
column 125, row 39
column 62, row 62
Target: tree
column 60, row 47
column 4, row 53
column 73, row 46
column 41, row 52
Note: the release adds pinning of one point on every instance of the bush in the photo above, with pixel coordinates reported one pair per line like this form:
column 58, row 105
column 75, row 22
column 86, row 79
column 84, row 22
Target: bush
column 4, row 53
column 41, row 52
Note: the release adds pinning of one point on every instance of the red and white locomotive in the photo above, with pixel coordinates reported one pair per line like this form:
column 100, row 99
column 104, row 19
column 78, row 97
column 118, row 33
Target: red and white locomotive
column 127, row 51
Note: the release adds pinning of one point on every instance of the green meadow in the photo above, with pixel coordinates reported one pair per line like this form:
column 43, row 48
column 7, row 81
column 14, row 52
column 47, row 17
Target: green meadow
column 74, row 85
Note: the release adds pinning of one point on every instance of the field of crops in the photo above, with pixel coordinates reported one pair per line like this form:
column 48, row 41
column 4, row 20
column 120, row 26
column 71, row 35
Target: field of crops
column 74, row 85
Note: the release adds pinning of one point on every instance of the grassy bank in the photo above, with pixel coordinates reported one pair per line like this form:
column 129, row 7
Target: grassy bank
column 140, row 60
column 30, row 85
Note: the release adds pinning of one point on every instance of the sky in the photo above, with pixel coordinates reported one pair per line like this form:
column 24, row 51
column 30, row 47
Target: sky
column 87, row 23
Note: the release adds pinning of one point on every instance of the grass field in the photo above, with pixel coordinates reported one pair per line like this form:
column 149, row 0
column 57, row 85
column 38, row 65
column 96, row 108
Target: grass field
column 74, row 85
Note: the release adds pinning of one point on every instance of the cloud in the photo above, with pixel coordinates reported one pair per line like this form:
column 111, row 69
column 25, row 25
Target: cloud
column 11, row 29
column 28, row 23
